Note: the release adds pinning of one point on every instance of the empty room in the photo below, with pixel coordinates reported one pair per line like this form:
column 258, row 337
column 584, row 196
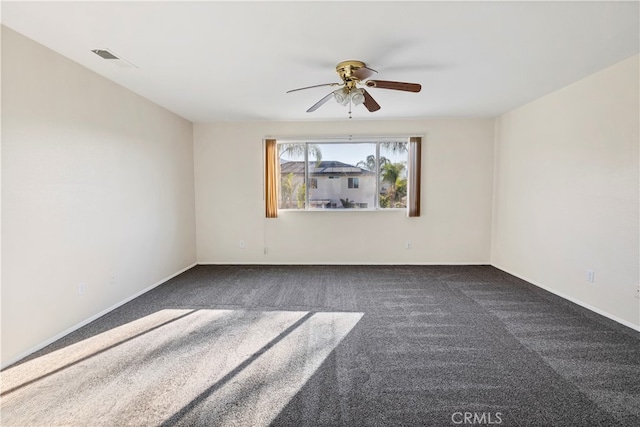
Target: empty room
column 320, row 213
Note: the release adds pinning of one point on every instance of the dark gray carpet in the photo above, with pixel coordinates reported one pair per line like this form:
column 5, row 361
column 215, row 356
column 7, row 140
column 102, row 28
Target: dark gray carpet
column 335, row 346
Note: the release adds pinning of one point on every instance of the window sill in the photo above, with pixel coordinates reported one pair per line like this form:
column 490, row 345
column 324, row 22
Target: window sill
column 343, row 210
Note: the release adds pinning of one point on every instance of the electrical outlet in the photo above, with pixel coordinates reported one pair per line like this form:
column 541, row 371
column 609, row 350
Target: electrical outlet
column 590, row 276
column 407, row 245
column 638, row 292
column 82, row 288
column 241, row 244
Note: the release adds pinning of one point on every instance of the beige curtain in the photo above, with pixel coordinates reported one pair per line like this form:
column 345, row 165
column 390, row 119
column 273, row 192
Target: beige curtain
column 415, row 154
column 271, row 179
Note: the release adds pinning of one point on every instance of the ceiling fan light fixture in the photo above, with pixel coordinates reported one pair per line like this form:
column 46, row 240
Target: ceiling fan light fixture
column 357, row 96
column 341, row 96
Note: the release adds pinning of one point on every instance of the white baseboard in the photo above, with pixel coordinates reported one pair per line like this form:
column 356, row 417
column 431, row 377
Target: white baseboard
column 91, row 319
column 340, row 263
column 573, row 300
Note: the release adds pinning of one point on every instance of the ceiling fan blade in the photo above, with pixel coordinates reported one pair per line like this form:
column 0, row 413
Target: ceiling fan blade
column 311, row 87
column 318, row 104
column 384, row 84
column 364, row 73
column 369, row 102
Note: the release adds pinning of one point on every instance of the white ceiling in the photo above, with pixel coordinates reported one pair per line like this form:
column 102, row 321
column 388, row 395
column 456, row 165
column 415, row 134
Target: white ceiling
column 210, row 61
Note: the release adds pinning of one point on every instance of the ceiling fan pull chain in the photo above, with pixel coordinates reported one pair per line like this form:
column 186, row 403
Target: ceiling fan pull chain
column 349, row 107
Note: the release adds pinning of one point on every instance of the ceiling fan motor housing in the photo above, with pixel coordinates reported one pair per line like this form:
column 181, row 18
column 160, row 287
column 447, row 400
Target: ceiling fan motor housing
column 346, row 70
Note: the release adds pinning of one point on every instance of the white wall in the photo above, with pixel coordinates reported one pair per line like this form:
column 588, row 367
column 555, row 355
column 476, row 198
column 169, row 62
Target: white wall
column 455, row 226
column 566, row 194
column 95, row 180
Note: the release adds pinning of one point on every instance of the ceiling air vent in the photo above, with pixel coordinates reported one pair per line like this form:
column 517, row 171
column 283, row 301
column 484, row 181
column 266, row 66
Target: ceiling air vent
column 113, row 58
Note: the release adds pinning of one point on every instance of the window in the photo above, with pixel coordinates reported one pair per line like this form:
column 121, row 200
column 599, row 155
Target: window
column 361, row 174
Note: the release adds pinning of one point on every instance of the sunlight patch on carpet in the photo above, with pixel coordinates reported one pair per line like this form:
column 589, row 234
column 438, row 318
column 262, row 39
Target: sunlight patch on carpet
column 213, row 367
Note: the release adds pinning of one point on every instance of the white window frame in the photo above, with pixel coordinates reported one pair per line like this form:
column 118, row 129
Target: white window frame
column 349, row 140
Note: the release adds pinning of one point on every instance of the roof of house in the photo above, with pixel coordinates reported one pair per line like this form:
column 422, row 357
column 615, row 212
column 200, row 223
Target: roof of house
column 325, row 167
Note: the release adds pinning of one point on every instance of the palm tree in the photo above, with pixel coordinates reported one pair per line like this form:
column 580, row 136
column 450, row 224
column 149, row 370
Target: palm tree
column 301, row 195
column 370, row 162
column 287, row 189
column 392, row 175
column 347, row 204
column 394, row 147
column 296, row 150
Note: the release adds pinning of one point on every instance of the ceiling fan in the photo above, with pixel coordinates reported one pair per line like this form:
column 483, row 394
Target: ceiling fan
column 353, row 74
